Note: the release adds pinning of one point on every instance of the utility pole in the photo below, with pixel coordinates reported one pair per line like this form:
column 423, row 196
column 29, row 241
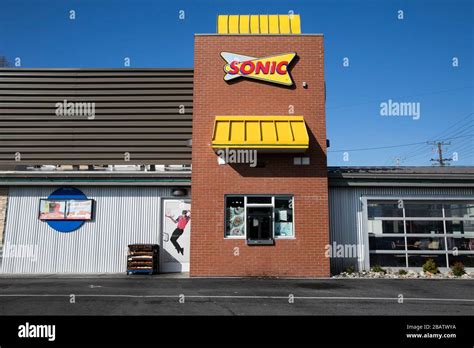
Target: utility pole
column 439, row 144
column 398, row 161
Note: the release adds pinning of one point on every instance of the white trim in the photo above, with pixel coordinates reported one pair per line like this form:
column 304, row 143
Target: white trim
column 365, row 236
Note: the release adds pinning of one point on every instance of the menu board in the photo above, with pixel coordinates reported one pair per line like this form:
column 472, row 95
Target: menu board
column 51, row 209
column 79, row 210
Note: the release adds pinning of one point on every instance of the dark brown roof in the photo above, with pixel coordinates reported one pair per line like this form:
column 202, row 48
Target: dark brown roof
column 136, row 111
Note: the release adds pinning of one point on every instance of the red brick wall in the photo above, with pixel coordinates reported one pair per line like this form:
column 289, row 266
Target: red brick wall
column 211, row 253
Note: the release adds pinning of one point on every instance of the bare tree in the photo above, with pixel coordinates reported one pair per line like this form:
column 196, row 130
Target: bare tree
column 3, row 62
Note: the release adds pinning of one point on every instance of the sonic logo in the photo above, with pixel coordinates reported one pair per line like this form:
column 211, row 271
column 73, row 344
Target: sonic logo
column 272, row 69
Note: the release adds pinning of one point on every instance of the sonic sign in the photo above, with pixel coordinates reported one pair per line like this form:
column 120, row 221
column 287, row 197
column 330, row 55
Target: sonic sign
column 272, row 69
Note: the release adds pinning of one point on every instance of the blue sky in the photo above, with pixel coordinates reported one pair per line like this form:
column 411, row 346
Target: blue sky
column 407, row 60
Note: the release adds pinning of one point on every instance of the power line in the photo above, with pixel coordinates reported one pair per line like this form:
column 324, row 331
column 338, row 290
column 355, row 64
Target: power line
column 394, row 146
column 439, row 135
column 467, row 146
column 454, row 124
column 459, row 130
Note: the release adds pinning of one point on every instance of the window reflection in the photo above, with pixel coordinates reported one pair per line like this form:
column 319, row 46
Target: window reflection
column 421, row 243
column 377, row 243
column 426, row 229
column 384, row 209
column 435, row 227
column 459, row 243
column 423, row 210
column 419, row 260
column 388, row 260
column 463, row 210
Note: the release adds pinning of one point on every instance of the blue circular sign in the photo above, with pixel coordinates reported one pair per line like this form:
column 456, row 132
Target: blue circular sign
column 66, row 225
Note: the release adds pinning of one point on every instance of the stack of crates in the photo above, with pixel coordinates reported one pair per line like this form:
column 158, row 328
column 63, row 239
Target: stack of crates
column 142, row 258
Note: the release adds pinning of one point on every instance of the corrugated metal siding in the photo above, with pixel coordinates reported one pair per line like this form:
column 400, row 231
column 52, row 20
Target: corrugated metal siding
column 345, row 213
column 124, row 215
column 137, row 111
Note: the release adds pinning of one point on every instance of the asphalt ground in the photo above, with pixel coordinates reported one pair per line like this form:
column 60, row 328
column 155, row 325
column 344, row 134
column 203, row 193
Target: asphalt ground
column 155, row 295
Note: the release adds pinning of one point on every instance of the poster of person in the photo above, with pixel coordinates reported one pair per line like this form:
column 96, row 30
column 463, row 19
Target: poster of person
column 52, row 210
column 79, row 210
column 176, row 235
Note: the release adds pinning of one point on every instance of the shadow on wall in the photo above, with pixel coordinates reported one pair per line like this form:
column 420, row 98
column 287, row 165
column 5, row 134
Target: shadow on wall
column 281, row 165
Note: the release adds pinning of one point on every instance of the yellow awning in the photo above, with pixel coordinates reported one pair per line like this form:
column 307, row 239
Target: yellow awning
column 259, row 24
column 260, row 132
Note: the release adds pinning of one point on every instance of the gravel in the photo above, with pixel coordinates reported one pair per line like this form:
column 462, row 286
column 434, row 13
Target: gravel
column 410, row 275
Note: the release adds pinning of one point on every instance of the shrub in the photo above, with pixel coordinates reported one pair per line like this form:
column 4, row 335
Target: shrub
column 402, row 272
column 458, row 269
column 378, row 269
column 430, row 266
column 350, row 270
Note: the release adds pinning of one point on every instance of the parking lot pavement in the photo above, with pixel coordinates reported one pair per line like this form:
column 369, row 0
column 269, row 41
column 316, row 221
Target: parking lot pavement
column 150, row 295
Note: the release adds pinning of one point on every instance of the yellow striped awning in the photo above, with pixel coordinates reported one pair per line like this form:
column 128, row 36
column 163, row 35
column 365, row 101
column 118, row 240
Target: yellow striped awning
column 260, row 132
column 259, row 24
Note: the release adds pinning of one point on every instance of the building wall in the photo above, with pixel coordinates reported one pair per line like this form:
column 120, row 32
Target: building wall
column 211, row 254
column 345, row 213
column 3, row 210
column 123, row 216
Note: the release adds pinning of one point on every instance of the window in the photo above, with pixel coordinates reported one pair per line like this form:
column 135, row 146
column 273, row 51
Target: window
column 387, row 243
column 384, row 209
column 466, row 259
column 379, row 226
column 460, row 227
column 259, row 200
column 421, row 209
column 235, row 217
column 462, row 210
column 388, row 260
column 419, row 260
column 259, row 219
column 462, row 232
column 425, row 243
column 405, row 233
column 432, row 227
column 284, row 216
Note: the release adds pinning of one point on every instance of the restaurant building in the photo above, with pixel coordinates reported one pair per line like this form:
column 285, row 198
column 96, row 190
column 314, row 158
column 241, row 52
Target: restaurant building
column 222, row 166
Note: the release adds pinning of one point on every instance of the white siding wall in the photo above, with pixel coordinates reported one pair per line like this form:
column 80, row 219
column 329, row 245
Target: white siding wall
column 124, row 215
